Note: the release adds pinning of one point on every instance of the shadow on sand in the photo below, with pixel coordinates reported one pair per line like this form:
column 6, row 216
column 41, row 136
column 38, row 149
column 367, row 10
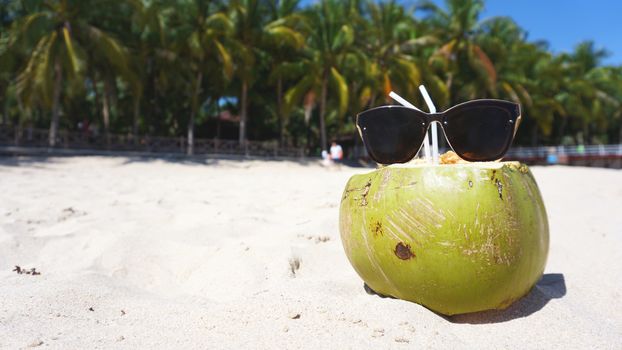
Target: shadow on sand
column 214, row 159
column 18, row 156
column 550, row 286
column 33, row 162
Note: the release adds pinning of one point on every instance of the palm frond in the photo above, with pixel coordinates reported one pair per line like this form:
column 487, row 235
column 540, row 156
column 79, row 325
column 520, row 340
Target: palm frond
column 225, row 59
column 341, row 88
column 71, row 52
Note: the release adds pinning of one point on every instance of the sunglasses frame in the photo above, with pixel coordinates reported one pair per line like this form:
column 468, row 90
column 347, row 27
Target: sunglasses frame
column 443, row 118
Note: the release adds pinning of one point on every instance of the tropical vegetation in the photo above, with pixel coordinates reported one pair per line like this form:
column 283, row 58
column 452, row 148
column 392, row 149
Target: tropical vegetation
column 278, row 70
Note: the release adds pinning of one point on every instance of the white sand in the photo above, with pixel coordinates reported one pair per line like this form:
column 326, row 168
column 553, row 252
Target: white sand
column 190, row 255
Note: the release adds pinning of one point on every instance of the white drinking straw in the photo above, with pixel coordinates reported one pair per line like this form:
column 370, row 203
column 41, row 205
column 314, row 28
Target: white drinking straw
column 403, row 102
column 432, row 109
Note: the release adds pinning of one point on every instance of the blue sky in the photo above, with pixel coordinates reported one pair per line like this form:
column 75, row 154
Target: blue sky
column 565, row 23
column 562, row 23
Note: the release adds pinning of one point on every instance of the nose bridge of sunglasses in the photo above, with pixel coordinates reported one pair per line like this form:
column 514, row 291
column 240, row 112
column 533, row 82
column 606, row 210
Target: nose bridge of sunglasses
column 442, row 122
column 432, row 118
column 436, row 117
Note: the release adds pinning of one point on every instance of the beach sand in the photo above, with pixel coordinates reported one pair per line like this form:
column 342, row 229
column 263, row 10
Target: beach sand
column 145, row 253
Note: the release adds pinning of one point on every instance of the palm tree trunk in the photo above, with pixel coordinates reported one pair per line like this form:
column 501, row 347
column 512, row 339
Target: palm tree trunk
column 217, row 118
column 24, row 115
column 5, row 112
column 449, row 84
column 96, row 92
column 279, row 108
column 587, row 133
column 136, row 113
column 193, row 112
column 55, row 104
column 114, row 93
column 243, row 112
column 106, row 111
column 534, row 135
column 561, row 130
column 323, row 140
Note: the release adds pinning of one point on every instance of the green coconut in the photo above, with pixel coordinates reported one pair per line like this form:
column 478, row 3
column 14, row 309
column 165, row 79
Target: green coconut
column 455, row 238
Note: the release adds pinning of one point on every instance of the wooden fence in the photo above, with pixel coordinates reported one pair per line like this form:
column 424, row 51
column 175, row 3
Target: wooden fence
column 609, row 156
column 69, row 140
column 603, row 156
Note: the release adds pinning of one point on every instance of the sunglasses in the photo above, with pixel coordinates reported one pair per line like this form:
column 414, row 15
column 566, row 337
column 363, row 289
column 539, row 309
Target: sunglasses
column 478, row 130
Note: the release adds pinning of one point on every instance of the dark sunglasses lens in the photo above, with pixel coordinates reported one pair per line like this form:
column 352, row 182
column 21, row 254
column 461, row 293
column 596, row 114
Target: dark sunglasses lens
column 480, row 133
column 391, row 135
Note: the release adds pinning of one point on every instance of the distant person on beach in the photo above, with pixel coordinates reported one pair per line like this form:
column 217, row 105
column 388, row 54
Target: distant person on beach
column 336, row 152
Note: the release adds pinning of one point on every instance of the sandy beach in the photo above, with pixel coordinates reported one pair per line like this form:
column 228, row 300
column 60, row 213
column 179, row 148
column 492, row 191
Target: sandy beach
column 225, row 254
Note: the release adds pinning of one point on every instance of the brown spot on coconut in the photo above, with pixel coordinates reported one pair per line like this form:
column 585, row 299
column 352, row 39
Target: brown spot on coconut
column 403, row 251
column 474, row 251
column 377, row 229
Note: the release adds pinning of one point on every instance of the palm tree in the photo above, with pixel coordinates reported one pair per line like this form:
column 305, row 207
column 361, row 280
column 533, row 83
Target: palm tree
column 469, row 71
column 11, row 55
column 7, row 62
column 586, row 95
column 540, row 90
column 392, row 44
column 526, row 73
column 609, row 80
column 506, row 46
column 283, row 38
column 330, row 38
column 205, row 31
column 155, row 43
column 106, row 59
column 249, row 19
column 162, row 62
column 62, row 33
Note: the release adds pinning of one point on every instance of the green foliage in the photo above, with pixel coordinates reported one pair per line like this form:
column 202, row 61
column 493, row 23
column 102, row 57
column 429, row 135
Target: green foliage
column 297, row 74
